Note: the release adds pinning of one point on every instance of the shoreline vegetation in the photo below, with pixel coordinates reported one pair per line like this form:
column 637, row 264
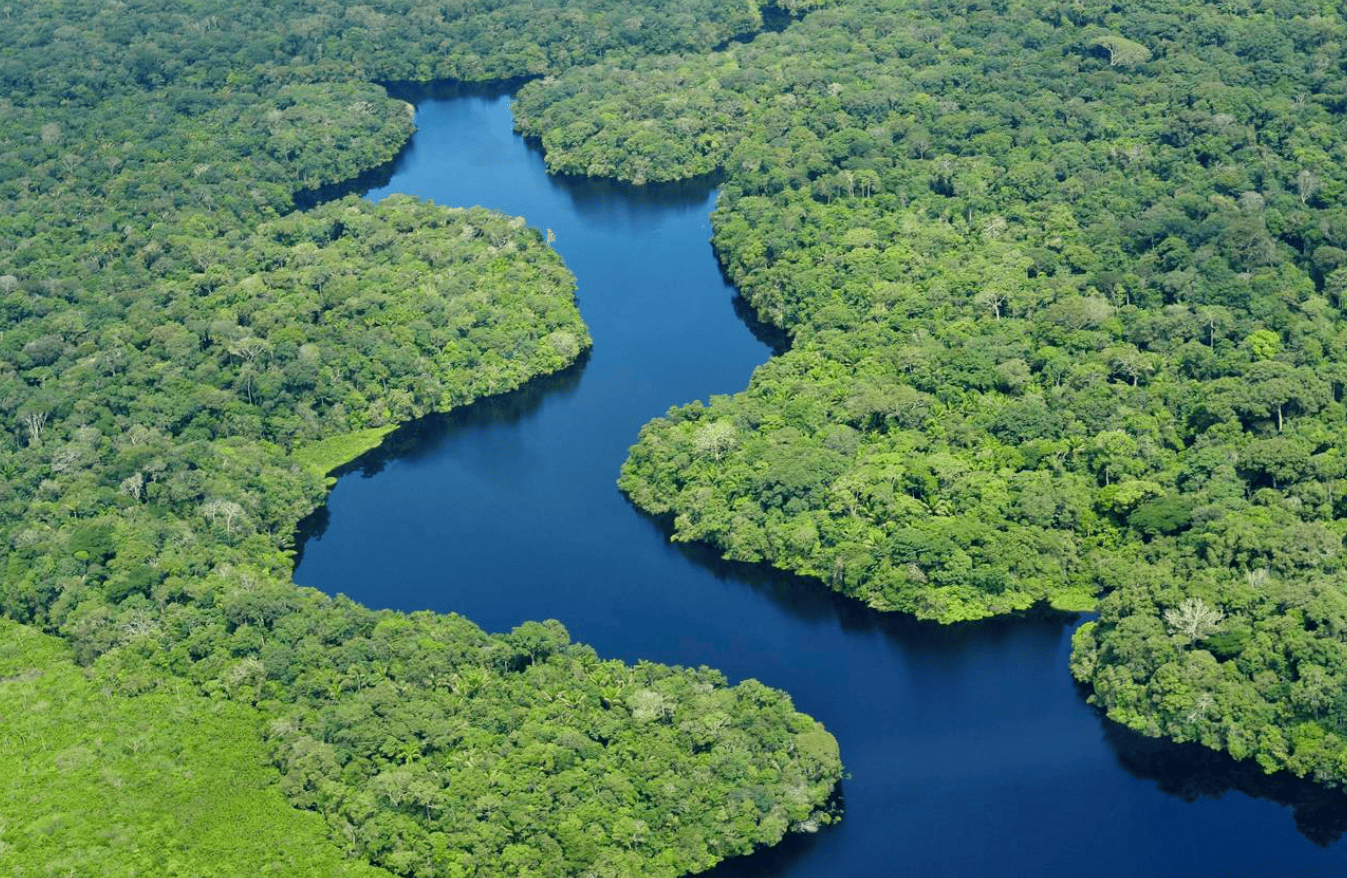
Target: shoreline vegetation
column 185, row 359
column 1065, row 290
column 333, row 452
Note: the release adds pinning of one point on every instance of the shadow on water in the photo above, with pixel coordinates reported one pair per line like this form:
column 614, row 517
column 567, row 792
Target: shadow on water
column 380, row 176
column 376, row 177
column 774, row 337
column 606, row 197
column 810, row 600
column 784, row 858
column 1190, row 772
column 418, row 439
column 449, row 89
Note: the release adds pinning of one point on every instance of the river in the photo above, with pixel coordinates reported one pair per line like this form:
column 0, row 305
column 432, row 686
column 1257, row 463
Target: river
column 970, row 749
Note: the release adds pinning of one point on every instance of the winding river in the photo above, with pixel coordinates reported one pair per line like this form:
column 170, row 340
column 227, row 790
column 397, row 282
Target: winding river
column 970, row 749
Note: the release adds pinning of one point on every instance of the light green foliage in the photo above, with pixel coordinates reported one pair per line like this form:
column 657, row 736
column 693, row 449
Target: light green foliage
column 714, row 439
column 182, row 360
column 170, row 783
column 1065, row 294
column 1264, row 344
column 1193, row 620
column 1122, row 52
column 325, row 455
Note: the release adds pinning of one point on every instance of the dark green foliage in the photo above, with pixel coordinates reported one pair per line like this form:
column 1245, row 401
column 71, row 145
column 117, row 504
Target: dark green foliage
column 1166, row 515
column 182, row 360
column 1073, row 275
column 446, row 751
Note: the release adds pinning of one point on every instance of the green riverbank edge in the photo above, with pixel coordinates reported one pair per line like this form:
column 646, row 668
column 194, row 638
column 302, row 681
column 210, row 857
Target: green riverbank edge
column 1074, row 602
column 326, row 455
column 1065, row 295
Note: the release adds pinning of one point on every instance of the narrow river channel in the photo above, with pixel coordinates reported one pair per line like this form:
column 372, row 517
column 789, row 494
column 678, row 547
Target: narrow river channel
column 970, row 750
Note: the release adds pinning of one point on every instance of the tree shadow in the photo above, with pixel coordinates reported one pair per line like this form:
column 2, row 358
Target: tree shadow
column 1191, row 771
column 811, row 600
column 418, row 439
column 774, row 20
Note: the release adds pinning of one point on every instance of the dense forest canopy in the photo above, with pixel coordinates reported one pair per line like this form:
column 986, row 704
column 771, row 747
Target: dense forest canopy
column 1065, row 284
column 184, row 357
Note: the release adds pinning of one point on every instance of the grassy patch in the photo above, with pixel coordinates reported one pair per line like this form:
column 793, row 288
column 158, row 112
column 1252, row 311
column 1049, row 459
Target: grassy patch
column 325, row 455
column 165, row 784
column 1074, row 601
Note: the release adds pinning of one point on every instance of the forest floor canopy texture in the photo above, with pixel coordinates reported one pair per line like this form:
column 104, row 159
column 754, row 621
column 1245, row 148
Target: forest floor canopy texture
column 1065, row 284
column 183, row 359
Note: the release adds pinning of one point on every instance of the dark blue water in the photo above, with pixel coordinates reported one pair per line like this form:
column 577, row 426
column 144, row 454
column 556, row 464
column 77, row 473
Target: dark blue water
column 971, row 751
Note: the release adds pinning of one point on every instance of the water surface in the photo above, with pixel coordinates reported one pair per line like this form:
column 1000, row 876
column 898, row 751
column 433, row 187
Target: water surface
column 971, row 750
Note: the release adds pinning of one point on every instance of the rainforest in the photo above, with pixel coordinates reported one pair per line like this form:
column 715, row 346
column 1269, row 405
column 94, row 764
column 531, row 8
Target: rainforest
column 1056, row 290
column 1064, row 285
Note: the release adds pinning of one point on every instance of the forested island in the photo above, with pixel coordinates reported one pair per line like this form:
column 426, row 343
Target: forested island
column 1064, row 284
column 185, row 357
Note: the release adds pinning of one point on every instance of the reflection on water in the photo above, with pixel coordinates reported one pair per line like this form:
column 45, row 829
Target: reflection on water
column 448, row 90
column 970, row 749
column 1191, row 772
column 601, row 198
column 809, row 600
column 776, row 338
column 782, row 859
column 415, row 439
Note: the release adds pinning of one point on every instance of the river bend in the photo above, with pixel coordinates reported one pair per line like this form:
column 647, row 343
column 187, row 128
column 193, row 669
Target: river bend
column 970, row 749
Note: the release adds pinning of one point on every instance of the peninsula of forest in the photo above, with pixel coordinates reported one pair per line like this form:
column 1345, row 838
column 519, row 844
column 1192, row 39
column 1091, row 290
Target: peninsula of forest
column 1065, row 287
column 1064, row 284
column 185, row 356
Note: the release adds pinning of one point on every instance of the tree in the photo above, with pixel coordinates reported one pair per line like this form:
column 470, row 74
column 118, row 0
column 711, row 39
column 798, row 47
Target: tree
column 33, row 422
column 226, row 512
column 1193, row 619
column 537, row 640
column 1122, row 52
column 1272, row 387
column 1264, row 344
column 715, row 439
column 134, row 486
column 1307, row 185
column 1129, row 362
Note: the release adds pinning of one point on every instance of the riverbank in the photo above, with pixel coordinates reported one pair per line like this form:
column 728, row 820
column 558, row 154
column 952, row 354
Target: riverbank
column 969, row 747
